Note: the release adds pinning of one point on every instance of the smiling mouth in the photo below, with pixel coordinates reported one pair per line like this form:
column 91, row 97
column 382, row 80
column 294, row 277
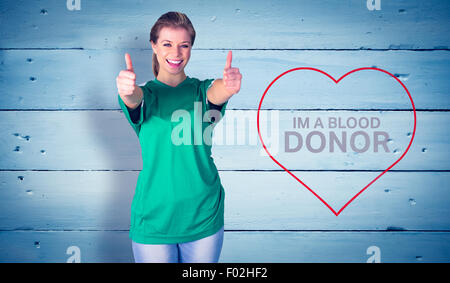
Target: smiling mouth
column 174, row 63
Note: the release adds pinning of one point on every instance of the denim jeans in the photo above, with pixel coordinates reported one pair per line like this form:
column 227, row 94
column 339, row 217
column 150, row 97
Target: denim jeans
column 205, row 250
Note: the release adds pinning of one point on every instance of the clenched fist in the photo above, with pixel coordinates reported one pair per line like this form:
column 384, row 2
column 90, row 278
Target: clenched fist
column 130, row 93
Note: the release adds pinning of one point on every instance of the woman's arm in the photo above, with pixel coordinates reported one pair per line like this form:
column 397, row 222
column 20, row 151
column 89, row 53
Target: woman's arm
column 134, row 100
column 224, row 88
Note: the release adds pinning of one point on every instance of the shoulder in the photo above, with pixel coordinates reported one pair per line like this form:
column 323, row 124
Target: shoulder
column 148, row 85
column 148, row 88
column 201, row 84
column 194, row 81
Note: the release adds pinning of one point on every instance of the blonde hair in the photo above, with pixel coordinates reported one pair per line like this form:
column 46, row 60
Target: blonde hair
column 172, row 20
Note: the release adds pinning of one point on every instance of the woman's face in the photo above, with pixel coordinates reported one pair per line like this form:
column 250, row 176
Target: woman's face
column 172, row 49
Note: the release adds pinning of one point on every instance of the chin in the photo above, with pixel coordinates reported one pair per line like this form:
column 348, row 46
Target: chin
column 174, row 72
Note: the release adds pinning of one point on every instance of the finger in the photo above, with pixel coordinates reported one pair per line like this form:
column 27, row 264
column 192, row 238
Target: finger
column 231, row 71
column 128, row 62
column 126, row 88
column 229, row 57
column 233, row 80
column 232, row 76
column 125, row 81
column 126, row 78
column 232, row 83
column 127, row 74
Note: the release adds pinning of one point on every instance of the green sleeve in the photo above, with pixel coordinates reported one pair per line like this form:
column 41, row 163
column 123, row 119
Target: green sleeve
column 136, row 125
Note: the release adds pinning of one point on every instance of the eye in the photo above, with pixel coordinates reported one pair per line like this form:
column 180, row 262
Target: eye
column 185, row 46
column 166, row 44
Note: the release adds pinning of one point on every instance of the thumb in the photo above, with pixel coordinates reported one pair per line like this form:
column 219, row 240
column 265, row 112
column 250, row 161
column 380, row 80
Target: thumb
column 128, row 62
column 229, row 57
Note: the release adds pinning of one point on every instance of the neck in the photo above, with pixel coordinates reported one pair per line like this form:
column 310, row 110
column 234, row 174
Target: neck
column 172, row 80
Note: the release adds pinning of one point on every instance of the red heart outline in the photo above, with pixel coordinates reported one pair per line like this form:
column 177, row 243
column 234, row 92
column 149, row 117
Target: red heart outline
column 337, row 81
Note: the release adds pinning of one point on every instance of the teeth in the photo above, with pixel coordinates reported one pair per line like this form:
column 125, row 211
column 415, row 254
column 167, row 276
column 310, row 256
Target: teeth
column 174, row 62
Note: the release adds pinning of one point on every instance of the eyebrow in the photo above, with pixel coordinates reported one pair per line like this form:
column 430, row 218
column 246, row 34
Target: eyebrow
column 180, row 42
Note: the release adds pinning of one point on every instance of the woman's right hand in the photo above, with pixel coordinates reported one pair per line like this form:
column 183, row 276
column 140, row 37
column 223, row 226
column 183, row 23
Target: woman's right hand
column 130, row 93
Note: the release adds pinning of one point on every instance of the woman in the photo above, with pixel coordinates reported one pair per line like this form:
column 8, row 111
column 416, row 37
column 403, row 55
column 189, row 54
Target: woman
column 177, row 214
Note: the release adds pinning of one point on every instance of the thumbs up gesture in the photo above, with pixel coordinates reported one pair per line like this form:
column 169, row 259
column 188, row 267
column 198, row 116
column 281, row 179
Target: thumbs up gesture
column 231, row 77
column 126, row 80
column 130, row 93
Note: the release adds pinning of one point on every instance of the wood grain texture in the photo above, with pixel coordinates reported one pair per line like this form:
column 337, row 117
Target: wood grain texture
column 115, row 246
column 101, row 200
column 103, row 140
column 324, row 24
column 85, row 79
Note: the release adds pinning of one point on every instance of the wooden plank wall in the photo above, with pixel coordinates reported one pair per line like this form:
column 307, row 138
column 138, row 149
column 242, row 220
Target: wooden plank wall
column 69, row 159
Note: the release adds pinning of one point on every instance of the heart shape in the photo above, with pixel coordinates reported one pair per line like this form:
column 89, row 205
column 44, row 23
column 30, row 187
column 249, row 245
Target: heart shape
column 337, row 81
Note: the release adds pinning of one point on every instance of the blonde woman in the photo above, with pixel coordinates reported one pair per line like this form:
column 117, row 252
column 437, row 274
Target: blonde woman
column 177, row 213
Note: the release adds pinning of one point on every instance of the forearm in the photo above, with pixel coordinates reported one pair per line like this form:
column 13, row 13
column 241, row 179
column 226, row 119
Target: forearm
column 134, row 100
column 217, row 93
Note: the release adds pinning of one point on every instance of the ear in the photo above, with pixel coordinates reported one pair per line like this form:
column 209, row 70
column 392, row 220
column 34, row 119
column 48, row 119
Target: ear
column 153, row 47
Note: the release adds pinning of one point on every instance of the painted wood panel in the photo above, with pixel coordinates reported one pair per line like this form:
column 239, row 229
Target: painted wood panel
column 323, row 24
column 70, row 161
column 115, row 246
column 101, row 200
column 103, row 140
column 49, row 79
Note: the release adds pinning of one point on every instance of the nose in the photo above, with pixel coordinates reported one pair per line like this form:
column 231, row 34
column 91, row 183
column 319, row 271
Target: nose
column 177, row 52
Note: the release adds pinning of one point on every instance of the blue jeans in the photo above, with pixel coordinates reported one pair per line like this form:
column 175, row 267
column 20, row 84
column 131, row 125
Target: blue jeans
column 205, row 250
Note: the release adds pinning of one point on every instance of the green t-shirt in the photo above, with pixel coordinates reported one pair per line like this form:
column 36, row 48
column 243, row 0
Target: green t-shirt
column 179, row 196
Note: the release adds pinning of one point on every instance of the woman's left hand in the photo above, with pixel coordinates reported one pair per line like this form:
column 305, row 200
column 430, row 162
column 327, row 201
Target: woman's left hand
column 231, row 77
